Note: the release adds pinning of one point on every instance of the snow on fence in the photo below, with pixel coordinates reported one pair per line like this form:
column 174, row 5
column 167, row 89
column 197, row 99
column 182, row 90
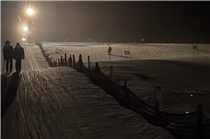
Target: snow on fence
column 194, row 125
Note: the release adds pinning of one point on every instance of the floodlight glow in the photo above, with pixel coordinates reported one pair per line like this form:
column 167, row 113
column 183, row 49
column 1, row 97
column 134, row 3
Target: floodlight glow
column 23, row 39
column 30, row 11
column 25, row 28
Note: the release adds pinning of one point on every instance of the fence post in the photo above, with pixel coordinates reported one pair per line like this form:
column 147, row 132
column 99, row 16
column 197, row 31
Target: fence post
column 80, row 63
column 61, row 60
column 70, row 61
column 97, row 68
column 54, row 63
column 89, row 63
column 74, row 62
column 200, row 121
column 58, row 62
column 111, row 72
column 65, row 60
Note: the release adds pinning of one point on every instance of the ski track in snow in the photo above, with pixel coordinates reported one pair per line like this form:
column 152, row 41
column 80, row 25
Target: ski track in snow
column 59, row 102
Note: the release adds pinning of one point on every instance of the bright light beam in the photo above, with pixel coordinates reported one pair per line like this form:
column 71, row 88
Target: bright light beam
column 25, row 28
column 23, row 39
column 30, row 11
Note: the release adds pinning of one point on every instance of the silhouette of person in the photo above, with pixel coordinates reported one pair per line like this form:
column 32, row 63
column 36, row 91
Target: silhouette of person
column 195, row 48
column 18, row 56
column 109, row 50
column 8, row 55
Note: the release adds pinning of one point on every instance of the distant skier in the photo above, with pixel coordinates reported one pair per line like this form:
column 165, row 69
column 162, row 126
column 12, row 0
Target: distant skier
column 109, row 50
column 195, row 48
column 18, row 56
column 8, row 55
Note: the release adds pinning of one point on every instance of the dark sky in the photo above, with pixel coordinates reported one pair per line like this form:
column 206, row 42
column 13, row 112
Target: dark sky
column 122, row 21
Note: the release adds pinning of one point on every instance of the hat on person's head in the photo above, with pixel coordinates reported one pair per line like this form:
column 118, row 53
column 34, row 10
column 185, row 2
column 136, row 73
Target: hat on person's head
column 17, row 44
column 7, row 42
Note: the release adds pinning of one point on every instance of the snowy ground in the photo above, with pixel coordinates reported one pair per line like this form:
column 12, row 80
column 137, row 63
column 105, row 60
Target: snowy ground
column 59, row 102
column 183, row 74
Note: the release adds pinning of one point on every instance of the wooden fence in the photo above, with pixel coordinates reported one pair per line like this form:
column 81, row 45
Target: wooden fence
column 194, row 125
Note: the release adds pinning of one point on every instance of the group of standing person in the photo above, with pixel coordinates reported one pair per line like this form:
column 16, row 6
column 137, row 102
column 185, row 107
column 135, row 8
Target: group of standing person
column 9, row 53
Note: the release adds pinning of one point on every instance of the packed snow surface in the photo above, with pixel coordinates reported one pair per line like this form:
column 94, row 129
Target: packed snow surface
column 59, row 102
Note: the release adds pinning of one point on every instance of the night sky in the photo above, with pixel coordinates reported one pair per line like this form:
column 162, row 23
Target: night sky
column 122, row 21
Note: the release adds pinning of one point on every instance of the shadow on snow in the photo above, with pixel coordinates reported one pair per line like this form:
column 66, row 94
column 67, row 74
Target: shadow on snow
column 9, row 86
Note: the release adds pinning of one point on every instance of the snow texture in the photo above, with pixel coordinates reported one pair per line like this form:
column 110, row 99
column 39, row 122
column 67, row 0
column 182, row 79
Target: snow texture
column 59, row 102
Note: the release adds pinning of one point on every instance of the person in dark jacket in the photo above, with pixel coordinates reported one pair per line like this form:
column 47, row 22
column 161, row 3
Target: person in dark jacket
column 18, row 56
column 109, row 50
column 8, row 55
